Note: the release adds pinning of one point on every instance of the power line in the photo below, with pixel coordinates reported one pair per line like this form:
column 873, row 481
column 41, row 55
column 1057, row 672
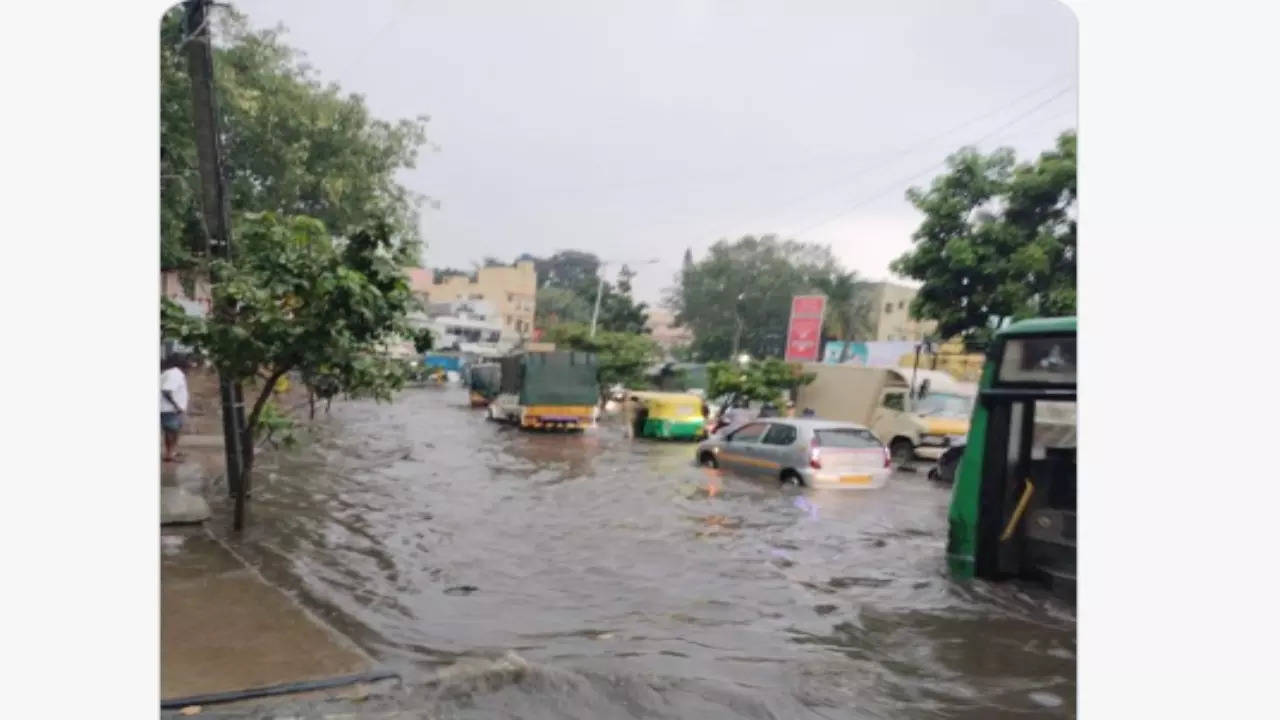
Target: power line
column 898, row 183
column 913, row 147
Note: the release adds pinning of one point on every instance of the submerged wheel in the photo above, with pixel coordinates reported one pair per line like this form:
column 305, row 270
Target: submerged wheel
column 791, row 477
column 707, row 459
column 902, row 451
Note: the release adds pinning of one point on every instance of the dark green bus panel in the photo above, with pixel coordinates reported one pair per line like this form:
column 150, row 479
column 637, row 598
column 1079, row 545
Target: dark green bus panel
column 1013, row 508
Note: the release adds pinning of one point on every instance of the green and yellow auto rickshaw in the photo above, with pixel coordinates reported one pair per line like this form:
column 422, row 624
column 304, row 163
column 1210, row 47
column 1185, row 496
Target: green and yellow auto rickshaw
column 674, row 416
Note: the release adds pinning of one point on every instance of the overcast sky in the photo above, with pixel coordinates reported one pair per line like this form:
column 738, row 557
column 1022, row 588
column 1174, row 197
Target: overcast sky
column 639, row 129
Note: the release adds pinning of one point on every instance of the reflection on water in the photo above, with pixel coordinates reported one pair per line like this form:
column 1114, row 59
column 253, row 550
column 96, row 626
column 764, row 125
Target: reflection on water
column 629, row 582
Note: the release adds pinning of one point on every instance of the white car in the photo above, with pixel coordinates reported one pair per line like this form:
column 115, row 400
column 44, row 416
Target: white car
column 802, row 451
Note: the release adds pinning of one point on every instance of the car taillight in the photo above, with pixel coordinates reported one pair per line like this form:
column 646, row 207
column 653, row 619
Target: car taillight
column 815, row 456
column 888, row 458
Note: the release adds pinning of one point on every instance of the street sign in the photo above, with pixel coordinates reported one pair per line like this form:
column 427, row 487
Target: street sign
column 804, row 331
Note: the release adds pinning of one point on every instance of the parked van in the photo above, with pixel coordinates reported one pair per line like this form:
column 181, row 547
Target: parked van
column 921, row 421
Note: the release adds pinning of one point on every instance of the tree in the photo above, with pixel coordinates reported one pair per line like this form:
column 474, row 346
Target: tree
column 556, row 305
column 295, row 298
column 619, row 312
column 738, row 298
column 293, row 146
column 567, row 284
column 767, row 380
column 622, row 357
column 848, row 314
column 574, row 270
column 998, row 240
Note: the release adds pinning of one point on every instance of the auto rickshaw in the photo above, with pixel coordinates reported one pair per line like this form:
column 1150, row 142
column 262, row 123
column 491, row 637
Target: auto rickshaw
column 663, row 415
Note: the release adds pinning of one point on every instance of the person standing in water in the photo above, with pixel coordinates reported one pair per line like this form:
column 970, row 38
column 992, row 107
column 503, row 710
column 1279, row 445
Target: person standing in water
column 173, row 402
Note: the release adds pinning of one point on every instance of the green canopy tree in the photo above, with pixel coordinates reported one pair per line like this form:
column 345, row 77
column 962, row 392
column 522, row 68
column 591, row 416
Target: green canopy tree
column 295, row 298
column 567, row 285
column 619, row 312
column 998, row 240
column 769, row 380
column 293, row 146
column 556, row 305
column 738, row 298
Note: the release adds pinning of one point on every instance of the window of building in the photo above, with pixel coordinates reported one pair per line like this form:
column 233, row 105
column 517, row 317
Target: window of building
column 888, row 307
column 901, row 304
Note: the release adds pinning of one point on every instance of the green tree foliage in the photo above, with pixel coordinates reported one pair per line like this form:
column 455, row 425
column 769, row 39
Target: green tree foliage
column 619, row 312
column 738, row 298
column 567, row 285
column 574, row 270
column 848, row 315
column 556, row 305
column 998, row 240
column 768, row 380
column 293, row 145
column 623, row 357
column 297, row 299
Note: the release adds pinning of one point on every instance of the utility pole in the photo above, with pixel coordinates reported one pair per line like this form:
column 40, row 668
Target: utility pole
column 595, row 314
column 216, row 208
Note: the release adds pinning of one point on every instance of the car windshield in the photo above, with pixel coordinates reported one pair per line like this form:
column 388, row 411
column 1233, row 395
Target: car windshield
column 846, row 438
column 945, row 405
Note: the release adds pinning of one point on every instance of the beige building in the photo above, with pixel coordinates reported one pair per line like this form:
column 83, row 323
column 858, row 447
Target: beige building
column 510, row 290
column 891, row 314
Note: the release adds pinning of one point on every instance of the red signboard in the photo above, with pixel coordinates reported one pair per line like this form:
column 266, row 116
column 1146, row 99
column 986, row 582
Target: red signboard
column 804, row 332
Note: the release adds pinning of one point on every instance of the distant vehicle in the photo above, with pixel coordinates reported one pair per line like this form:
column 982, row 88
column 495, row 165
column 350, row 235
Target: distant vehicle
column 548, row 390
column 808, row 452
column 730, row 411
column 945, row 469
column 920, row 421
column 670, row 416
column 484, row 381
column 681, row 377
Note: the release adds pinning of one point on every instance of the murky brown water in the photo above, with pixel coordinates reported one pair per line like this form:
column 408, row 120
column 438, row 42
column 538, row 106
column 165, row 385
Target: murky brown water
column 638, row 585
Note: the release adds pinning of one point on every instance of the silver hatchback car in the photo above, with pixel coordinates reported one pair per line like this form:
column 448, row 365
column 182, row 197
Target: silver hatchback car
column 810, row 452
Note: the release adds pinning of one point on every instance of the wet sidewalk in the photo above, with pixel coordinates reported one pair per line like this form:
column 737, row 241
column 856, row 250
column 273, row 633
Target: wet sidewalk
column 223, row 628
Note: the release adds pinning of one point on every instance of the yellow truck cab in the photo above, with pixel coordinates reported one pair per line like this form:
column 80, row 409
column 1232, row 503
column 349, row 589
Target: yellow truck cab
column 920, row 421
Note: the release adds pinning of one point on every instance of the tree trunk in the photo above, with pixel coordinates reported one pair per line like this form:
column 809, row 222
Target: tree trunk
column 311, row 404
column 246, row 442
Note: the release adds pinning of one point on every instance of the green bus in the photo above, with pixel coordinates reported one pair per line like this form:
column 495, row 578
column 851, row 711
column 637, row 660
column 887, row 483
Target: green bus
column 1013, row 507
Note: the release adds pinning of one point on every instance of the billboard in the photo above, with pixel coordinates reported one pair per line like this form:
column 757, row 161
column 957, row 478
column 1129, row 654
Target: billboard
column 804, row 331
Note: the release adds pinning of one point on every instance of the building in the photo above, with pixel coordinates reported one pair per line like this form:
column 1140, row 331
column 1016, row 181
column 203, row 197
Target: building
column 891, row 319
column 510, row 290
column 661, row 324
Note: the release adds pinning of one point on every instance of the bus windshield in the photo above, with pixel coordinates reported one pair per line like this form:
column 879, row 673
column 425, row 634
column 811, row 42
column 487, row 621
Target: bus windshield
column 945, row 405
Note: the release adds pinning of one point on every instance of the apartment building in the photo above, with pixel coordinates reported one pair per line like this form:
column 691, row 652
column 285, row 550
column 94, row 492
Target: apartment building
column 510, row 290
column 891, row 317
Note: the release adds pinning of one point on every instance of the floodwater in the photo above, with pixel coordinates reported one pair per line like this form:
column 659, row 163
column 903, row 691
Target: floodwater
column 620, row 580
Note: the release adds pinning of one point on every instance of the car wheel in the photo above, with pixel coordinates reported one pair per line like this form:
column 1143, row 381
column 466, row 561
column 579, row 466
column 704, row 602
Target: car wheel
column 791, row 477
column 902, row 451
column 708, row 460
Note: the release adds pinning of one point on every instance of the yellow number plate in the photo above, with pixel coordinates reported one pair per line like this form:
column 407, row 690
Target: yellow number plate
column 855, row 479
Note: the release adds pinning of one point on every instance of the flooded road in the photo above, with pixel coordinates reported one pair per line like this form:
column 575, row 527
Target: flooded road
column 635, row 584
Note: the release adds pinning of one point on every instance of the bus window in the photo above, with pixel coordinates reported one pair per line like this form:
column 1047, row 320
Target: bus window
column 1055, row 427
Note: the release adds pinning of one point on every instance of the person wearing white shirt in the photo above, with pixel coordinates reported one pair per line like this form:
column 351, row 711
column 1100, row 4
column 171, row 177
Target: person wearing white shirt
column 173, row 402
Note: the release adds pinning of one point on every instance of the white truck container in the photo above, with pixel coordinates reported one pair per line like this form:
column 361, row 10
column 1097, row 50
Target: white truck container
column 914, row 422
